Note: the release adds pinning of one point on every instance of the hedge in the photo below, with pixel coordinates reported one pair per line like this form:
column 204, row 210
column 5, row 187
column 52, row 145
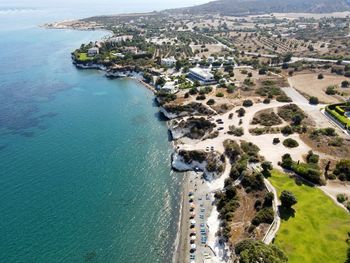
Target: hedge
column 331, row 109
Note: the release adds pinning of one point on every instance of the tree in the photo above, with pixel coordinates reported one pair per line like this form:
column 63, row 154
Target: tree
column 250, row 251
column 320, row 76
column 267, row 167
column 247, row 103
column 241, row 112
column 345, row 84
column 290, row 143
column 288, row 199
column 287, row 161
column 313, row 100
column 342, row 170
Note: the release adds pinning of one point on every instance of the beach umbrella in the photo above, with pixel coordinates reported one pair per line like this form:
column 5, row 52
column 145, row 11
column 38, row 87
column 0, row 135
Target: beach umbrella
column 193, row 206
column 193, row 237
column 193, row 222
column 193, row 231
column 193, row 246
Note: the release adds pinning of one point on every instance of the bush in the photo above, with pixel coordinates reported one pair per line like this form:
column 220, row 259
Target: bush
column 254, row 251
column 312, row 158
column 341, row 198
column 268, row 200
column 247, row 103
column 342, row 170
column 290, row 143
column 287, row 130
column 201, row 97
column 288, row 199
column 241, row 112
column 345, row 84
column 265, row 215
column 236, row 131
column 266, row 101
column 283, row 98
column 287, row 161
column 262, row 71
column 276, row 141
column 331, row 90
column 210, row 102
column 219, row 94
column 309, row 172
column 320, row 76
column 313, row 100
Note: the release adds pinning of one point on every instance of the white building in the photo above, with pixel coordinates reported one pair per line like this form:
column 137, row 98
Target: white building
column 169, row 87
column 93, row 51
column 211, row 60
column 169, row 62
column 202, row 75
column 118, row 39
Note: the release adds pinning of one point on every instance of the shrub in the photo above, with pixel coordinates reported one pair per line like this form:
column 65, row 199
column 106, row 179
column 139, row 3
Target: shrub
column 313, row 100
column 276, row 141
column 312, row 158
column 290, row 143
column 265, row 215
column 241, row 112
column 201, row 97
column 266, row 101
column 253, row 182
column 210, row 102
column 341, row 198
column 320, row 76
column 345, row 84
column 247, row 103
column 287, row 161
column 342, row 170
column 268, row 200
column 283, row 98
column 288, row 199
column 287, row 130
column 309, row 172
column 219, row 94
column 267, row 119
column 331, row 90
column 254, row 251
column 262, row 71
column 236, row 131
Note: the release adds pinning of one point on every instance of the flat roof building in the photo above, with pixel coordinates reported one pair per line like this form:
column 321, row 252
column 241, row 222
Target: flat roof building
column 93, row 51
column 202, row 75
column 169, row 62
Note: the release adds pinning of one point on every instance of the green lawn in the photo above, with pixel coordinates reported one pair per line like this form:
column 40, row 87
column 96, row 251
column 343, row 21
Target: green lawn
column 83, row 57
column 319, row 228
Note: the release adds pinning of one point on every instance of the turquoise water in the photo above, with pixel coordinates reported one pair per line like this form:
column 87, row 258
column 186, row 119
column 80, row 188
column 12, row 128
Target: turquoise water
column 84, row 161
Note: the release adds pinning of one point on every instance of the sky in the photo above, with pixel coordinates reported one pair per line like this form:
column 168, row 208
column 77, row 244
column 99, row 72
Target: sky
column 115, row 6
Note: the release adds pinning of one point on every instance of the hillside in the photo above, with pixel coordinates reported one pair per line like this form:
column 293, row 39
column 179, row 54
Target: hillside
column 243, row 7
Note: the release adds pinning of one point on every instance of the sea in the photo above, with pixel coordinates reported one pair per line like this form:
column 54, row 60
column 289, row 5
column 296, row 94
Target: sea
column 85, row 170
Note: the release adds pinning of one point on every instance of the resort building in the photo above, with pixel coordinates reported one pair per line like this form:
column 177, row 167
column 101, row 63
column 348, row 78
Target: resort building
column 211, row 60
column 118, row 39
column 169, row 62
column 202, row 75
column 169, row 87
column 93, row 51
column 132, row 50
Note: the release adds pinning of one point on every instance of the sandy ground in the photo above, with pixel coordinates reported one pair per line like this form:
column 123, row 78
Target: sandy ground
column 310, row 85
column 268, row 150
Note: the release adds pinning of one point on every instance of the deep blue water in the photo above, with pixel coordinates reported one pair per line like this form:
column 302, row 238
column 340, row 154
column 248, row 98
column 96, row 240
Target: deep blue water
column 84, row 161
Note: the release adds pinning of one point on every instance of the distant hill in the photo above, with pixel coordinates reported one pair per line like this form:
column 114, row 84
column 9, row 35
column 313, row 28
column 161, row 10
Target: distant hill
column 244, row 7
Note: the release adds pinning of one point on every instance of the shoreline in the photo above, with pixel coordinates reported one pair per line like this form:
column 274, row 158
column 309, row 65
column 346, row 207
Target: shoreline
column 203, row 194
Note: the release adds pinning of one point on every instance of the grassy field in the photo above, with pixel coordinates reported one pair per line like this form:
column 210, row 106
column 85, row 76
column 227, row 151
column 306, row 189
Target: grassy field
column 83, row 57
column 318, row 229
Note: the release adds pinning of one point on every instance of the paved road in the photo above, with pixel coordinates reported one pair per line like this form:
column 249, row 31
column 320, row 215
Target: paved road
column 314, row 111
